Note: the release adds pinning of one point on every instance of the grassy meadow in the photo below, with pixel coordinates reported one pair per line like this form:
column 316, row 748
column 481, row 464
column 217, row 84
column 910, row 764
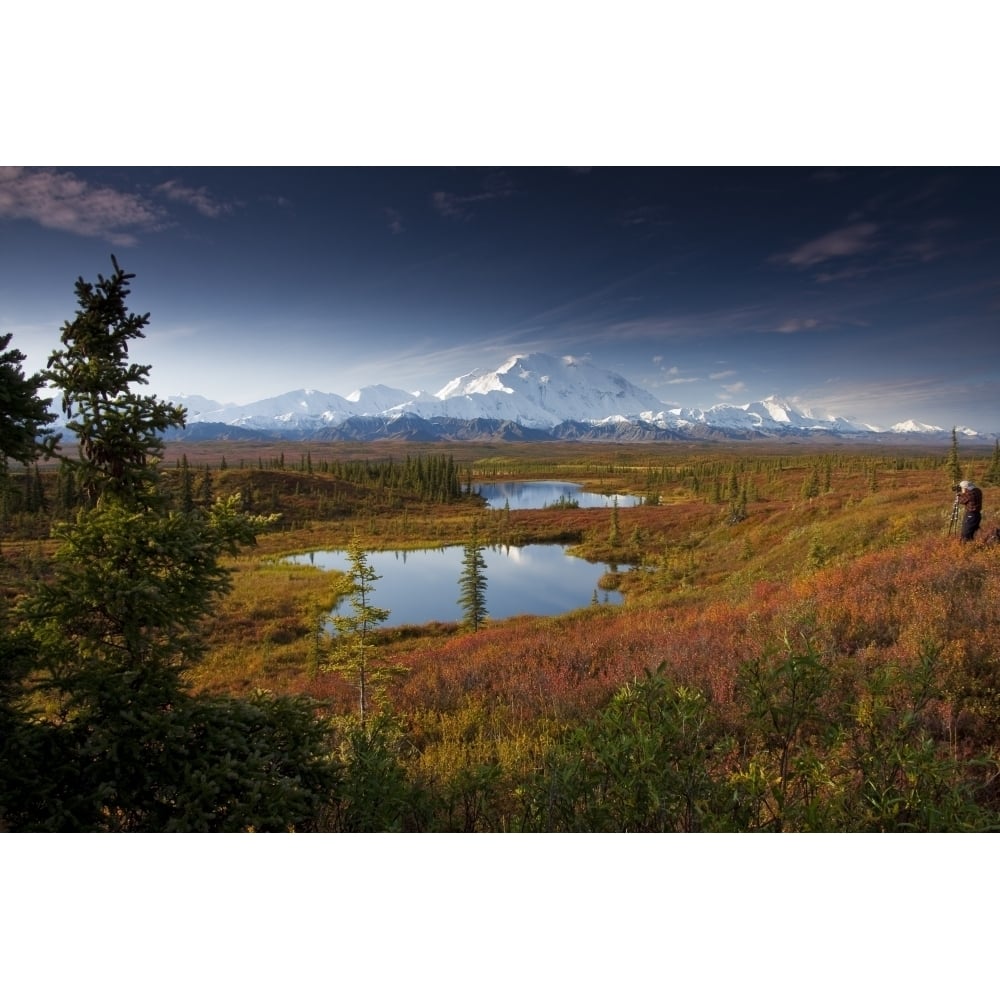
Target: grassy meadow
column 804, row 643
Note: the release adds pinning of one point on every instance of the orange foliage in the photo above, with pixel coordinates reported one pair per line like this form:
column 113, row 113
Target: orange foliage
column 886, row 607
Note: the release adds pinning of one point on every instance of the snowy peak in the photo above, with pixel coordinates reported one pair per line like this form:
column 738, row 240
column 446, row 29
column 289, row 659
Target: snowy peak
column 373, row 399
column 539, row 393
column 542, row 391
column 774, row 408
column 915, row 427
column 476, row 383
column 300, row 408
column 195, row 405
column 771, row 415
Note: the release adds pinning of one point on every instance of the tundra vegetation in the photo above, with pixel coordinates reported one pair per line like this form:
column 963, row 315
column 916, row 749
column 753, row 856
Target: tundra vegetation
column 804, row 646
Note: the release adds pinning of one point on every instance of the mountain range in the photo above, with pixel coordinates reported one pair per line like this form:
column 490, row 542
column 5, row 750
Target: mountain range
column 529, row 397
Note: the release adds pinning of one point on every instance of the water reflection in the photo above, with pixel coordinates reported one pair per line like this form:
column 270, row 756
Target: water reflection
column 422, row 585
column 534, row 494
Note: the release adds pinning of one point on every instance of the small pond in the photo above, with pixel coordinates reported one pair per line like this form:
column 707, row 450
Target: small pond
column 423, row 585
column 534, row 494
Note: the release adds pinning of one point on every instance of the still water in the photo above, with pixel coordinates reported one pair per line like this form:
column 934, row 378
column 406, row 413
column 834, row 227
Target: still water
column 423, row 585
column 532, row 495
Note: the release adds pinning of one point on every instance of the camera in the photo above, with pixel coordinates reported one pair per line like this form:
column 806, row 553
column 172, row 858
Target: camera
column 956, row 489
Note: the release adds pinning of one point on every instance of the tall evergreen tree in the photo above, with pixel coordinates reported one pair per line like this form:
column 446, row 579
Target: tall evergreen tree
column 352, row 654
column 992, row 474
column 733, row 489
column 24, row 416
column 108, row 635
column 25, row 419
column 117, row 430
column 187, row 488
column 614, row 535
column 954, row 467
column 472, row 585
column 810, row 485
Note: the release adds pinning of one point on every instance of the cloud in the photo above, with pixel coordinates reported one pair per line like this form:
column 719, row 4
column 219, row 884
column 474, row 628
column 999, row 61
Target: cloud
column 720, row 375
column 847, row 273
column 796, row 325
column 845, row 242
column 198, row 198
column 731, row 390
column 674, row 373
column 60, row 200
column 462, row 206
column 456, row 206
column 643, row 215
column 931, row 399
column 925, row 243
column 394, row 221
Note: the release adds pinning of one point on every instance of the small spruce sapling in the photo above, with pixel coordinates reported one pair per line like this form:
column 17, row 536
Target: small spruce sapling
column 352, row 654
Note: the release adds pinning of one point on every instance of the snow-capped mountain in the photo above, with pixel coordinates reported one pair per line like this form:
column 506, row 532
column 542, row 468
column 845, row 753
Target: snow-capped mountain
column 530, row 396
column 378, row 398
column 195, row 404
column 539, row 392
column 302, row 409
column 771, row 415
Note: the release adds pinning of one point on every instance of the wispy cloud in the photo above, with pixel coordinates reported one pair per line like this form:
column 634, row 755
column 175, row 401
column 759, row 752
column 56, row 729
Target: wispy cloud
column 673, row 374
column 848, row 241
column 463, row 206
column 925, row 243
column 717, row 376
column 394, row 221
column 913, row 245
column 891, row 400
column 643, row 215
column 750, row 317
column 796, row 325
column 197, row 198
column 58, row 199
column 730, row 393
column 457, row 206
column 848, row 274
column 590, row 316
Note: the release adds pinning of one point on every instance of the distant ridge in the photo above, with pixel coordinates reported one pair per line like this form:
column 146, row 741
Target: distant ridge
column 529, row 397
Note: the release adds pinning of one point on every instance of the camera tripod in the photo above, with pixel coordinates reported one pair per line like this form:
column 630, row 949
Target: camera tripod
column 954, row 517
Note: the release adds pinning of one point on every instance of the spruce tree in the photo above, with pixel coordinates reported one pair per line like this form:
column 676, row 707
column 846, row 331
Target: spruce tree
column 733, row 488
column 117, row 430
column 25, row 419
column 108, row 634
column 810, row 485
column 24, row 416
column 472, row 585
column 352, row 654
column 614, row 535
column 954, row 467
column 992, row 475
column 187, row 489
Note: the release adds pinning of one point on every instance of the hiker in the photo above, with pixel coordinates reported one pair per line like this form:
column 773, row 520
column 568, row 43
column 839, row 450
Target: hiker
column 971, row 498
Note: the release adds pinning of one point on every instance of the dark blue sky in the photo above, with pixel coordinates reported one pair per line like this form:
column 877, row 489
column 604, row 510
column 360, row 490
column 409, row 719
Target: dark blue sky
column 872, row 293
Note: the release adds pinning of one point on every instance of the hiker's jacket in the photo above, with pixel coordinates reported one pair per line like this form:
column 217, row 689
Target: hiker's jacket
column 972, row 500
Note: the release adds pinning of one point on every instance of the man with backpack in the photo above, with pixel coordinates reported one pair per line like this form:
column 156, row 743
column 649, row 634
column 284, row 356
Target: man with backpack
column 971, row 498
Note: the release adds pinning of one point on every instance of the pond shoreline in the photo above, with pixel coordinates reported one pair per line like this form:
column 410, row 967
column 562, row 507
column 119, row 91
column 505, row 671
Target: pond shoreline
column 422, row 585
